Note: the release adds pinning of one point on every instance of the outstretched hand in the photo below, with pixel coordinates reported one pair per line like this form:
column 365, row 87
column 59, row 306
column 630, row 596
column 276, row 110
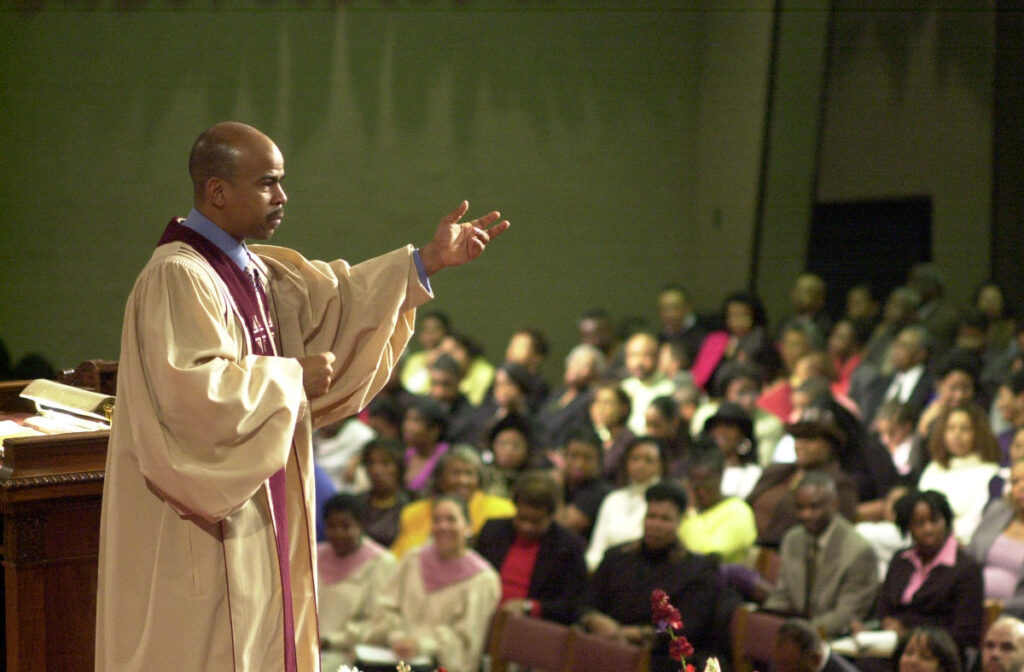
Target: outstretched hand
column 457, row 242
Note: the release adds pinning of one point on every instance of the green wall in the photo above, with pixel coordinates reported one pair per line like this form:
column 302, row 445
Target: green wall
column 622, row 140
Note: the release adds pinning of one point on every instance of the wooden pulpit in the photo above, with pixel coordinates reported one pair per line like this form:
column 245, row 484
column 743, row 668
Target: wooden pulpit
column 50, row 493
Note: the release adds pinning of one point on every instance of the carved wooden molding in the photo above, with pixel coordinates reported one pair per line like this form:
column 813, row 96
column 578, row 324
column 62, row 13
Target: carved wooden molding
column 50, row 479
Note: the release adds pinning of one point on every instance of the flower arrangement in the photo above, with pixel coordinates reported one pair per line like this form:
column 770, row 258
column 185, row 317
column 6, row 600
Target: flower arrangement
column 667, row 619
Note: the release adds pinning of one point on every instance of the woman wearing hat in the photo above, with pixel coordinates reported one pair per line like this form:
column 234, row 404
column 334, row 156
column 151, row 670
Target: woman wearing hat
column 817, row 440
column 733, row 432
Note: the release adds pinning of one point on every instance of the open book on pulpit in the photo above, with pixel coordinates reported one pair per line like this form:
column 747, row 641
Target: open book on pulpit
column 60, row 409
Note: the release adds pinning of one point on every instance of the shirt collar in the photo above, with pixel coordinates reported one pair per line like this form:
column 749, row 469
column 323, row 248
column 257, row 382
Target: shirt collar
column 945, row 556
column 238, row 252
column 826, row 534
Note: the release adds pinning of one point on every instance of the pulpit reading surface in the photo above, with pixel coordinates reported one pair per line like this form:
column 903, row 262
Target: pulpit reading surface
column 50, row 496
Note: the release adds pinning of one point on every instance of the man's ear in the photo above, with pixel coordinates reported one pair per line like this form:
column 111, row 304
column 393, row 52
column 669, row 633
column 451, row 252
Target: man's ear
column 216, row 190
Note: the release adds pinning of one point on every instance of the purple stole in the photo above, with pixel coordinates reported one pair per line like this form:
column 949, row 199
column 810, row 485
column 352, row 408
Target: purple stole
column 249, row 299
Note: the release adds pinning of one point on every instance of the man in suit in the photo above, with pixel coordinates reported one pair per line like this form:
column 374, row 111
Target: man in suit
column 541, row 563
column 828, row 572
column 910, row 382
column 799, row 648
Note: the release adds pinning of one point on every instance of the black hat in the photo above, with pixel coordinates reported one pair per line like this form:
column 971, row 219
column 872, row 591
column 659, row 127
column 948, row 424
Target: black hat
column 731, row 413
column 816, row 423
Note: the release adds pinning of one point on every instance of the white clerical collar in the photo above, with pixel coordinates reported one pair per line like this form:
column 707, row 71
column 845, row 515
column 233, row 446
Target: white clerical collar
column 219, row 237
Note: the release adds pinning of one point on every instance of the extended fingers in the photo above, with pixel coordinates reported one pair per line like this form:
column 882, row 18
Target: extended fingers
column 456, row 214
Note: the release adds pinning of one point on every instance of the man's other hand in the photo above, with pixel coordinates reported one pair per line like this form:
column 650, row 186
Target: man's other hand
column 317, row 371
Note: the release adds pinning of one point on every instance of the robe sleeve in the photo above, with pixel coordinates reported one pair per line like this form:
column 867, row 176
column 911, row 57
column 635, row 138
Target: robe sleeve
column 220, row 423
column 364, row 314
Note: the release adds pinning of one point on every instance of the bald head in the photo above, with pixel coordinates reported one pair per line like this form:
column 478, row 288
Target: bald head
column 236, row 175
column 1003, row 648
column 218, row 151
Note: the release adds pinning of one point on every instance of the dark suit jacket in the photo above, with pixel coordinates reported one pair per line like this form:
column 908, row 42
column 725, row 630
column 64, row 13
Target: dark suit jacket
column 951, row 598
column 876, row 394
column 559, row 574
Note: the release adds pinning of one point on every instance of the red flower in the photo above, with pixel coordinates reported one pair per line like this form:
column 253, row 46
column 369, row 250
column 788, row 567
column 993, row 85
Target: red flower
column 664, row 615
column 680, row 649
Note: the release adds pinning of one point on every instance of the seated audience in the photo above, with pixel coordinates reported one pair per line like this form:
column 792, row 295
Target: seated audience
column 732, row 431
column 510, row 451
column 743, row 339
column 800, row 648
column 894, row 423
column 717, row 523
column 1009, row 407
column 540, row 562
column 352, row 570
column 845, row 349
column 432, row 327
column 1003, row 647
column 663, row 422
column 816, row 440
column 828, row 572
column 608, row 414
column 422, row 428
column 883, row 534
column 740, row 383
column 965, row 457
column 596, row 328
column 617, row 601
column 618, row 519
column 570, row 406
column 955, row 384
column 927, row 649
column 797, row 341
column 910, row 381
column 336, row 448
column 445, row 376
column 998, row 545
column 645, row 383
column 442, row 597
column 935, row 582
column 807, row 301
column 459, row 472
column 384, row 462
column 477, row 372
column 528, row 348
column 900, row 311
column 1001, row 326
column 384, row 416
column 509, row 395
column 1000, row 484
column 863, row 304
column 679, row 324
column 584, row 486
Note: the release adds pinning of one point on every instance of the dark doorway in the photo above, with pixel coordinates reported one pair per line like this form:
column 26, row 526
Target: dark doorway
column 868, row 242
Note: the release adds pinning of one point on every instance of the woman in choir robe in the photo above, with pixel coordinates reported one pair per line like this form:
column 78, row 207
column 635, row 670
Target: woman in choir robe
column 353, row 569
column 442, row 597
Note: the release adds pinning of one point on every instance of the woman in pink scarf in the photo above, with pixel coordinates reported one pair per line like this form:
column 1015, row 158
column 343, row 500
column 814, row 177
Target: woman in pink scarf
column 438, row 606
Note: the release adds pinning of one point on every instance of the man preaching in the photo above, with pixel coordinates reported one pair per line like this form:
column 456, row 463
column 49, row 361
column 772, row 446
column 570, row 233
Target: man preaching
column 230, row 356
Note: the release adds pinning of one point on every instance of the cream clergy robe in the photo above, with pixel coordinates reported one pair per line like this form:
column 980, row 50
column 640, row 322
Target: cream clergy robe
column 188, row 569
